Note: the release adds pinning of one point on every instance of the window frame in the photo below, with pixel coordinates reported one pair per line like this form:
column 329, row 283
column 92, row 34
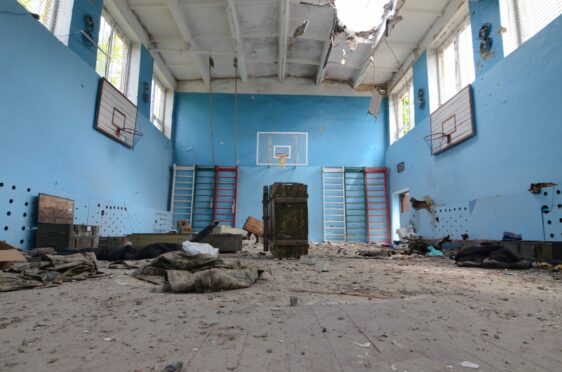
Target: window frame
column 453, row 37
column 52, row 19
column 511, row 20
column 159, row 123
column 404, row 86
column 115, row 30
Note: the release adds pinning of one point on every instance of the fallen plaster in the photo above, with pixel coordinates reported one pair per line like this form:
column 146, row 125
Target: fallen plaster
column 362, row 314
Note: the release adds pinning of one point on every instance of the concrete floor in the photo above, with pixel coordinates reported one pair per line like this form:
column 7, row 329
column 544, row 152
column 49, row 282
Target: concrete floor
column 415, row 314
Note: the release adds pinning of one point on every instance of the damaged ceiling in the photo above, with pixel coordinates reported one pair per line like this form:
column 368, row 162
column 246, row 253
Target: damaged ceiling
column 280, row 38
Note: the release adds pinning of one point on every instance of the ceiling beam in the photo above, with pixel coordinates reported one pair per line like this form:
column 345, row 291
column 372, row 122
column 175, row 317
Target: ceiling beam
column 271, row 85
column 179, row 18
column 325, row 53
column 221, row 2
column 421, row 11
column 238, row 42
column 283, row 37
column 298, row 61
column 381, row 32
column 323, row 62
column 131, row 19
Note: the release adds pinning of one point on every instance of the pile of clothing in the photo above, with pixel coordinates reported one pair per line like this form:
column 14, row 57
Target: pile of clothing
column 183, row 272
column 49, row 270
column 490, row 257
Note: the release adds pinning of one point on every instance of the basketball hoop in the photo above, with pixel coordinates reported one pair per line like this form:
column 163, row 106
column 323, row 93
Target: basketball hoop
column 282, row 160
column 129, row 135
column 435, row 141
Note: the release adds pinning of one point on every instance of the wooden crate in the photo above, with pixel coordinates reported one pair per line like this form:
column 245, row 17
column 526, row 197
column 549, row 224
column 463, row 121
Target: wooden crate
column 55, row 210
column 254, row 226
column 285, row 208
column 67, row 236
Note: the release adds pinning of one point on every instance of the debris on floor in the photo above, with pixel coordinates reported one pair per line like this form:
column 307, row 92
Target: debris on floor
column 49, row 270
column 9, row 255
column 254, row 226
column 469, row 315
column 490, row 257
column 184, row 227
column 182, row 272
column 200, row 248
column 432, row 252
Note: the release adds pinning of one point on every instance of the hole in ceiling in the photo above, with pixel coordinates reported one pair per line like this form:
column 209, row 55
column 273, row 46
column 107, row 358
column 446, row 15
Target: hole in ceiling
column 360, row 15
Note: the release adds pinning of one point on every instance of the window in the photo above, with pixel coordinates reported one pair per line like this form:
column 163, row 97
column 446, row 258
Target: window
column 523, row 19
column 402, row 107
column 455, row 62
column 157, row 104
column 113, row 54
column 45, row 9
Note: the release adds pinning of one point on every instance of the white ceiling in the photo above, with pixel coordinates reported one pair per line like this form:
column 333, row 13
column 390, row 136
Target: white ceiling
column 260, row 34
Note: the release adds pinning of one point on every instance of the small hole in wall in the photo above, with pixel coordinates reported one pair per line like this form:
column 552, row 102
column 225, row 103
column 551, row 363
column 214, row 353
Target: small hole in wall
column 21, row 241
column 552, row 235
column 549, row 222
column 9, row 213
column 558, row 192
column 26, row 204
column 5, row 228
column 13, row 187
column 11, row 201
column 23, row 228
column 28, row 189
column 1, row 184
column 25, row 214
column 545, row 193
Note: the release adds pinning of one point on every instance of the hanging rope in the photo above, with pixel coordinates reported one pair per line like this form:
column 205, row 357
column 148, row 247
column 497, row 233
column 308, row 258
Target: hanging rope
column 236, row 111
column 211, row 65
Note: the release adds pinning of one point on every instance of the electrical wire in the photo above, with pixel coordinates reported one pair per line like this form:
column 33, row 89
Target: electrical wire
column 395, row 58
column 73, row 35
column 16, row 13
column 236, row 112
column 211, row 110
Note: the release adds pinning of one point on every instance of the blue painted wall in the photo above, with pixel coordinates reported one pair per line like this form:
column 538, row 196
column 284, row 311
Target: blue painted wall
column 145, row 77
column 481, row 12
column 421, row 82
column 341, row 133
column 517, row 116
column 47, row 138
column 80, row 9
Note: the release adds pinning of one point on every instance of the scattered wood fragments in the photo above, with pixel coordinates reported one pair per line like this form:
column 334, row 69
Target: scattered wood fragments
column 356, row 294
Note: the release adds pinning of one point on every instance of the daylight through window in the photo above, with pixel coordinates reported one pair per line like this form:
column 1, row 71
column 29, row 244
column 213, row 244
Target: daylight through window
column 46, row 9
column 113, row 54
column 158, row 104
column 455, row 63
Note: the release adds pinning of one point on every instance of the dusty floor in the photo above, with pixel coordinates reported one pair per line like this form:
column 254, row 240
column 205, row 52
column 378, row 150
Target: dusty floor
column 416, row 314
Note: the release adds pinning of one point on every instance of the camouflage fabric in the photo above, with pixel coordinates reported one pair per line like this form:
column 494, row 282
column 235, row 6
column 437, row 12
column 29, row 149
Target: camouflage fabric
column 181, row 272
column 50, row 270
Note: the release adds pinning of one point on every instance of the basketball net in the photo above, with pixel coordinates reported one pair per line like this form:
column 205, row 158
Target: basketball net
column 281, row 160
